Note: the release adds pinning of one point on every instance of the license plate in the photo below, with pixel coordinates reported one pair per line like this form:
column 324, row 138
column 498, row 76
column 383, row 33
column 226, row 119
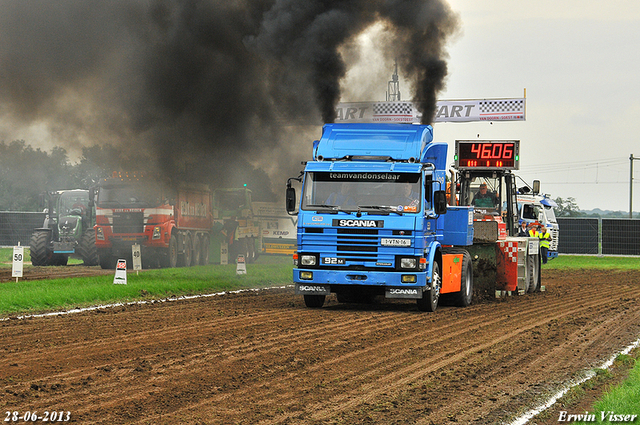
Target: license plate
column 333, row 260
column 395, row 242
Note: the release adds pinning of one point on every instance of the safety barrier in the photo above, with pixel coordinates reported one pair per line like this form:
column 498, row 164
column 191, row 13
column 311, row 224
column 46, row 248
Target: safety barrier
column 599, row 236
column 18, row 226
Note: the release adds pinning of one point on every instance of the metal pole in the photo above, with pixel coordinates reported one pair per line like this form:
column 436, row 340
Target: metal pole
column 631, row 158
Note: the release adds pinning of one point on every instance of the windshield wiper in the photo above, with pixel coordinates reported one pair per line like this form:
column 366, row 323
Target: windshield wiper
column 380, row 207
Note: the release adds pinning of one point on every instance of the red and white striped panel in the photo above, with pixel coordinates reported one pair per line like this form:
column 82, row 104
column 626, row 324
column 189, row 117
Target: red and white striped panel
column 510, row 248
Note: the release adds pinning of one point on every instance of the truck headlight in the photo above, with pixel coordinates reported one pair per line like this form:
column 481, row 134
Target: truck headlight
column 408, row 263
column 156, row 232
column 99, row 234
column 308, row 260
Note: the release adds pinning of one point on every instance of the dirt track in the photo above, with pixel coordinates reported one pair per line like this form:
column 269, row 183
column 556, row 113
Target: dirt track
column 264, row 358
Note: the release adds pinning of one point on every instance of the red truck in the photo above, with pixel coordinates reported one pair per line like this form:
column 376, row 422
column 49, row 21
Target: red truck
column 172, row 225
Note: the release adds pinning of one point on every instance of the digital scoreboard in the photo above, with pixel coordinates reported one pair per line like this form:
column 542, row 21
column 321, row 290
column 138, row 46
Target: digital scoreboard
column 487, row 154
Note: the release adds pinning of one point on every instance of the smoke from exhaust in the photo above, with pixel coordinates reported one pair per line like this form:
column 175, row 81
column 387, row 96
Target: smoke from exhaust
column 202, row 86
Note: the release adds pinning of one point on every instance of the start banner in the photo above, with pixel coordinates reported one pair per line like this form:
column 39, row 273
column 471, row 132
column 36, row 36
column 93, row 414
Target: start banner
column 512, row 109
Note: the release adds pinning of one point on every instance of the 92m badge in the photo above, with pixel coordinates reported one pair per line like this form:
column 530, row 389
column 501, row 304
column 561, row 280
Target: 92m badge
column 333, row 260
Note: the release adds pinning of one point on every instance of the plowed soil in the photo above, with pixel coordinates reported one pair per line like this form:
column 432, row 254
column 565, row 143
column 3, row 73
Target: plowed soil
column 263, row 358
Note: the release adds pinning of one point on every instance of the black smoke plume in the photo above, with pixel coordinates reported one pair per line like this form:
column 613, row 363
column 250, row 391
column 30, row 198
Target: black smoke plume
column 201, row 86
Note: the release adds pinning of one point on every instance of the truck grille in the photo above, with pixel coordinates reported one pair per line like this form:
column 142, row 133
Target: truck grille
column 128, row 222
column 358, row 247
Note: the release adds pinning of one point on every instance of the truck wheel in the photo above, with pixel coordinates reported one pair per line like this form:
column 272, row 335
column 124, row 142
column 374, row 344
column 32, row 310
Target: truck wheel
column 197, row 250
column 533, row 269
column 87, row 248
column 314, row 301
column 429, row 300
column 173, row 252
column 188, row 251
column 465, row 296
column 204, row 257
column 39, row 248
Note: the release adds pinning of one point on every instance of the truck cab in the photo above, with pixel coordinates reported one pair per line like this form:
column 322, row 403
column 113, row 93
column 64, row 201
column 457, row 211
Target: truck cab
column 373, row 219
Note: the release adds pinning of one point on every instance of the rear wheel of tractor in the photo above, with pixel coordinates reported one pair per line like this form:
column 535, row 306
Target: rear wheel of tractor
column 533, row 268
column 197, row 250
column 204, row 257
column 465, row 296
column 314, row 301
column 39, row 248
column 87, row 248
column 173, row 252
column 429, row 300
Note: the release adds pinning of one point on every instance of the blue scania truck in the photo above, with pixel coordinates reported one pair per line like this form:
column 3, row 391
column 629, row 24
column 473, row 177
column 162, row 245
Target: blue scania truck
column 373, row 219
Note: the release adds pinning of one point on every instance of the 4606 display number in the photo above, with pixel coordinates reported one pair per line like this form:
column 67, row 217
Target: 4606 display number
column 55, row 416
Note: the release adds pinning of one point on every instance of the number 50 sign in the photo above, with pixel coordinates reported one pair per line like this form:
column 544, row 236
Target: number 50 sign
column 18, row 256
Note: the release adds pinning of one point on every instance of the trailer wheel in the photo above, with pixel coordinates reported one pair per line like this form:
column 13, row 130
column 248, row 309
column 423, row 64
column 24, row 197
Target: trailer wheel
column 465, row 296
column 39, row 248
column 314, row 301
column 533, row 266
column 173, row 252
column 429, row 300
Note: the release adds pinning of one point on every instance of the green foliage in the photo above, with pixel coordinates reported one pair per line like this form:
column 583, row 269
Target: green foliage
column 567, row 208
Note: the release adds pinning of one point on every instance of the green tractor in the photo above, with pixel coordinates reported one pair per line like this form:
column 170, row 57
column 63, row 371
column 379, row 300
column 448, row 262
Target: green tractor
column 67, row 230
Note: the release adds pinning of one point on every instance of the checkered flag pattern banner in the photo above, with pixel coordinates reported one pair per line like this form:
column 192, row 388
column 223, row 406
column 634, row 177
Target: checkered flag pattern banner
column 502, row 106
column 393, row 108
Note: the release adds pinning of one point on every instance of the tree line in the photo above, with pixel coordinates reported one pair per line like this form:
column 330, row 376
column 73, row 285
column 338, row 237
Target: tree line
column 26, row 172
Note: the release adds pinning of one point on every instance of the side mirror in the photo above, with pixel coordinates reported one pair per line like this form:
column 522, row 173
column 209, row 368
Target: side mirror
column 536, row 186
column 440, row 202
column 291, row 200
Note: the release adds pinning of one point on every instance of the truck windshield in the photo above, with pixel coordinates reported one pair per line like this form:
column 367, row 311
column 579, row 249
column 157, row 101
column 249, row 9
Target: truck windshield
column 398, row 192
column 130, row 195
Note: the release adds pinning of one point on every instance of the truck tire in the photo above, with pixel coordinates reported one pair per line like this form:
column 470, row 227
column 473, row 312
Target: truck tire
column 533, row 273
column 172, row 254
column 87, row 248
column 429, row 300
column 39, row 248
column 188, row 251
column 465, row 296
column 314, row 301
column 204, row 257
column 197, row 250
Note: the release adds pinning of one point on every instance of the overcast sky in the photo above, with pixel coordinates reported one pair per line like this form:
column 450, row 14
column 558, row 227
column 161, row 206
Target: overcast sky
column 579, row 62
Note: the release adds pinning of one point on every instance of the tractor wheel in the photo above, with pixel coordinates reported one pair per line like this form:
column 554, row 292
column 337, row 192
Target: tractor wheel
column 87, row 248
column 39, row 248
column 429, row 300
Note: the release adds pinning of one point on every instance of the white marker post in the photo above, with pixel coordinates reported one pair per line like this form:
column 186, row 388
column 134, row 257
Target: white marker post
column 137, row 257
column 121, row 273
column 241, row 267
column 224, row 253
column 18, row 261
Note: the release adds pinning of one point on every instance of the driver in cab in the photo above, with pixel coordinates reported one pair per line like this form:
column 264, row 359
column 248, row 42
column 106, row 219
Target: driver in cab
column 484, row 199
